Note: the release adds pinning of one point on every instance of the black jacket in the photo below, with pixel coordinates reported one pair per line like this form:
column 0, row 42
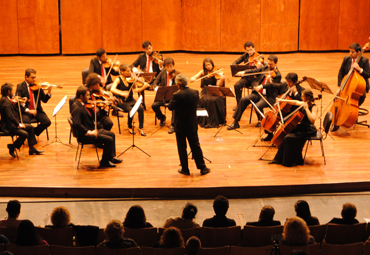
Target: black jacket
column 9, row 115
column 346, row 66
column 95, row 67
column 23, row 91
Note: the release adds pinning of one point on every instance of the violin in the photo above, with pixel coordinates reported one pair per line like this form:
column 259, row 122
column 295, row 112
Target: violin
column 215, row 72
column 114, row 64
column 140, row 81
column 43, row 85
column 255, row 59
column 156, row 56
column 91, row 104
column 173, row 74
column 19, row 99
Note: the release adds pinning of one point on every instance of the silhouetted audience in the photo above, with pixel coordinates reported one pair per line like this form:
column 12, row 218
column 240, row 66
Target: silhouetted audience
column 266, row 218
column 303, row 210
column 135, row 218
column 349, row 212
column 220, row 207
column 13, row 209
column 27, row 235
column 114, row 236
column 186, row 220
column 296, row 232
column 298, row 252
column 193, row 246
column 171, row 238
column 60, row 218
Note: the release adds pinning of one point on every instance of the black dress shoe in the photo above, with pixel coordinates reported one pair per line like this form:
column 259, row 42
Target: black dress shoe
column 171, row 130
column 258, row 124
column 35, row 151
column 205, row 171
column 163, row 122
column 181, row 171
column 11, row 150
column 334, row 128
column 106, row 164
column 268, row 138
column 116, row 160
column 273, row 162
column 234, row 125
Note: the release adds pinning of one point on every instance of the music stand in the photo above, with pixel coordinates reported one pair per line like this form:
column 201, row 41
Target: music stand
column 237, row 68
column 148, row 77
column 132, row 113
column 56, row 110
column 164, row 94
column 221, row 92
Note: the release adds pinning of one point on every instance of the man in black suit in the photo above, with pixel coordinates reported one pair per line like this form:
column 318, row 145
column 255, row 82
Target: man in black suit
column 361, row 66
column 220, row 206
column 185, row 102
column 32, row 109
column 83, row 121
column 165, row 78
column 266, row 218
column 10, row 122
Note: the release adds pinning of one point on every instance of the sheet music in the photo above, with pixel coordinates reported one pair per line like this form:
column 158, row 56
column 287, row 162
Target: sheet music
column 60, row 105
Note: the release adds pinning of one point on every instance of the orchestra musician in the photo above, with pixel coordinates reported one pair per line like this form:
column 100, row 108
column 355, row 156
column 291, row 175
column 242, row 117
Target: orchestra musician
column 32, row 108
column 84, row 121
column 269, row 92
column 11, row 122
column 290, row 150
column 362, row 67
column 123, row 87
column 165, row 78
column 249, row 82
column 215, row 105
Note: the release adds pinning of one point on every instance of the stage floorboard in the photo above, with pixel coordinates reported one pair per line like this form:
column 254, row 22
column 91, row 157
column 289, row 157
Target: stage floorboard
column 236, row 170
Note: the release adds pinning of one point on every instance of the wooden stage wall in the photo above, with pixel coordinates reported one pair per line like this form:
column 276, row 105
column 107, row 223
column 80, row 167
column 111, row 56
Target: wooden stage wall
column 32, row 26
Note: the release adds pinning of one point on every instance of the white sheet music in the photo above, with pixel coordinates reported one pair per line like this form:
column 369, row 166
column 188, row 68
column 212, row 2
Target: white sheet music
column 60, row 105
column 136, row 106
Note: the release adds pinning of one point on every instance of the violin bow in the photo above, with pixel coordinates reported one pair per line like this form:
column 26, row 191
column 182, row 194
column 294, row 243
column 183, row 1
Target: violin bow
column 20, row 112
column 249, row 74
column 111, row 66
column 259, row 93
column 204, row 76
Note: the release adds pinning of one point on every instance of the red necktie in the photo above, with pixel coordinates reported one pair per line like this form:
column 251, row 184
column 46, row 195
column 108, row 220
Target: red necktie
column 102, row 70
column 148, row 64
column 168, row 80
column 32, row 101
column 87, row 110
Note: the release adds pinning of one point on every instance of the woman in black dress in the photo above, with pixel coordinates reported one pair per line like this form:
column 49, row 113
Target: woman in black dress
column 215, row 105
column 290, row 150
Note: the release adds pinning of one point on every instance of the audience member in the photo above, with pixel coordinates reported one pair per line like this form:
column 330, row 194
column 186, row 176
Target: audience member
column 296, row 232
column 349, row 212
column 60, row 218
column 186, row 220
column 14, row 209
column 266, row 218
column 220, row 207
column 193, row 246
column 171, row 238
column 135, row 218
column 4, row 239
column 27, row 235
column 298, row 252
column 303, row 210
column 114, row 237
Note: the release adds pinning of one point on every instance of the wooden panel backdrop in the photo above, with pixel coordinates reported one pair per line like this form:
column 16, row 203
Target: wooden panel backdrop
column 319, row 25
column 201, row 25
column 279, row 25
column 9, row 28
column 353, row 23
column 38, row 26
column 81, row 26
column 240, row 22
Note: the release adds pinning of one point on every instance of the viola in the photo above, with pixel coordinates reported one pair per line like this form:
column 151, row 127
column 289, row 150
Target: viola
column 43, row 85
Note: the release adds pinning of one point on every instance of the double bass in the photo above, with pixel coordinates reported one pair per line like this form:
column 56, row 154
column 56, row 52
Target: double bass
column 345, row 106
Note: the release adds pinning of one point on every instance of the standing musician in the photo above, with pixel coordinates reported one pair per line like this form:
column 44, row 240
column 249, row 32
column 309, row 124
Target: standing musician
column 362, row 67
column 123, row 87
column 149, row 62
column 165, row 78
column 251, row 57
column 32, row 109
column 83, row 120
column 290, row 150
column 11, row 122
column 269, row 93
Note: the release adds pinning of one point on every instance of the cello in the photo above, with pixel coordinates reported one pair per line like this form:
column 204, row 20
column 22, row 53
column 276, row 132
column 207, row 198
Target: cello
column 345, row 106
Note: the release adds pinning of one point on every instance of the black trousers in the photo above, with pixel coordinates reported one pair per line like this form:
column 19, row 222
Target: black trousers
column 193, row 139
column 106, row 122
column 156, row 106
column 108, row 139
column 41, row 117
column 127, row 106
column 245, row 101
column 23, row 134
column 243, row 83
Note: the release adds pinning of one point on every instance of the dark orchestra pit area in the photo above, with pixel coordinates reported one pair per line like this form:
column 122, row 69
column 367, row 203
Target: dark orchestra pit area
column 236, row 170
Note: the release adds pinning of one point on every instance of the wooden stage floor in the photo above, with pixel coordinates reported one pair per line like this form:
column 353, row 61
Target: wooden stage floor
column 236, row 170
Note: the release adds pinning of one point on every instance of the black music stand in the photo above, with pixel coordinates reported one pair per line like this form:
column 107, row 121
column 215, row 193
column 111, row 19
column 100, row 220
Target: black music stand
column 164, row 94
column 237, row 68
column 148, row 77
column 221, row 92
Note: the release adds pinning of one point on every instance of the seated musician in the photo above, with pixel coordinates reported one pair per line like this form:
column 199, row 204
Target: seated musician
column 84, row 122
column 361, row 66
column 11, row 122
column 247, row 82
column 269, row 92
column 165, row 78
column 290, row 150
column 32, row 109
column 123, row 87
column 215, row 105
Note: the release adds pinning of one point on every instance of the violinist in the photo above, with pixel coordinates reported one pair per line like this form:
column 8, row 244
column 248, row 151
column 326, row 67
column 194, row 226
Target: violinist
column 269, row 92
column 32, row 109
column 215, row 105
column 165, row 78
column 251, row 57
column 84, row 120
column 290, row 150
column 123, row 87
column 362, row 67
column 11, row 122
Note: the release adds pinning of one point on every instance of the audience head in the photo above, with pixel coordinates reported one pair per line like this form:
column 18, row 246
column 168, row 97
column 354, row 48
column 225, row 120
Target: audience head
column 349, row 211
column 296, row 231
column 27, row 235
column 135, row 217
column 193, row 246
column 189, row 211
column 298, row 252
column 171, row 238
column 267, row 213
column 60, row 217
column 302, row 209
column 220, row 205
column 13, row 208
column 114, row 230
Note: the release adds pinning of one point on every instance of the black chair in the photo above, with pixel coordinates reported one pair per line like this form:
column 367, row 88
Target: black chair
column 71, row 100
column 318, row 137
column 362, row 112
column 79, row 143
column 85, row 73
